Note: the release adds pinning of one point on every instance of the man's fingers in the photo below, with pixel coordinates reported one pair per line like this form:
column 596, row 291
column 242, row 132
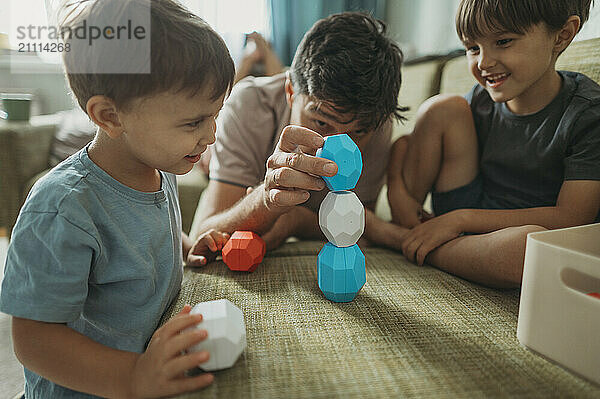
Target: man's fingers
column 285, row 198
column 294, row 136
column 303, row 163
column 290, row 178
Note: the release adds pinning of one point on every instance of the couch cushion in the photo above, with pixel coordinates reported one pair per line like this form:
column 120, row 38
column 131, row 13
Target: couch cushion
column 411, row 332
column 582, row 57
column 420, row 80
column 190, row 187
column 456, row 78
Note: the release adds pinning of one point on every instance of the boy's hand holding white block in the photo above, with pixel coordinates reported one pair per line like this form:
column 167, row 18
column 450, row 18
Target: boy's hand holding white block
column 226, row 339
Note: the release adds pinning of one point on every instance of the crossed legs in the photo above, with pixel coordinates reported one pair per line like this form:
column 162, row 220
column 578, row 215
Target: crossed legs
column 442, row 155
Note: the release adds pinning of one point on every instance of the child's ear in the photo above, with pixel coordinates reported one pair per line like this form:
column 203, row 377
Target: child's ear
column 103, row 112
column 566, row 34
column 289, row 89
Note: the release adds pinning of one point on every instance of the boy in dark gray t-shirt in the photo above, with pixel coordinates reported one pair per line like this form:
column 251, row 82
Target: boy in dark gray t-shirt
column 520, row 154
column 524, row 159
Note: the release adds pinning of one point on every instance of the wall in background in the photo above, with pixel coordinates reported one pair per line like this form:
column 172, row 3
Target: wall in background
column 591, row 28
column 426, row 27
column 423, row 27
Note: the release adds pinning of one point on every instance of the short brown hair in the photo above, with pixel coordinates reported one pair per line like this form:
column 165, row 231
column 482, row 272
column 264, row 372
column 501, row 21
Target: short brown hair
column 347, row 60
column 186, row 54
column 476, row 18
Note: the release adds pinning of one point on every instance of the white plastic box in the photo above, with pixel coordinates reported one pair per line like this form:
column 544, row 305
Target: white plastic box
column 557, row 317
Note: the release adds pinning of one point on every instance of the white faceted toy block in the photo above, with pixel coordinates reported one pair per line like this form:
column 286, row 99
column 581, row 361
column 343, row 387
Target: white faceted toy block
column 559, row 315
column 226, row 339
column 342, row 218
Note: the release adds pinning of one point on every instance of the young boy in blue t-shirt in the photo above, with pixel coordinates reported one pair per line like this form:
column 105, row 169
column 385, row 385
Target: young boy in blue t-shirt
column 520, row 154
column 96, row 255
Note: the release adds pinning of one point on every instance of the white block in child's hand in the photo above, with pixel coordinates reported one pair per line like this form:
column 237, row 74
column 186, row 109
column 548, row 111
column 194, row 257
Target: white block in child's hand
column 226, row 339
column 342, row 218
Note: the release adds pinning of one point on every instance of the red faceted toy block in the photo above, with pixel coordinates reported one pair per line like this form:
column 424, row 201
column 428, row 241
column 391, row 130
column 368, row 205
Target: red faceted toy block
column 594, row 294
column 244, row 251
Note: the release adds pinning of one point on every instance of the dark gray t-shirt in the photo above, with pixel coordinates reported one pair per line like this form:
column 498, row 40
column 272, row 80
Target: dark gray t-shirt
column 524, row 159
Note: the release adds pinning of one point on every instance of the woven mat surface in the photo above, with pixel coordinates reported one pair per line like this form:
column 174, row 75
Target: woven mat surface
column 413, row 332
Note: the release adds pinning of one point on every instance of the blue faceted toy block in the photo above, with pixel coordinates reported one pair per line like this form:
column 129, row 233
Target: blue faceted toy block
column 341, row 272
column 342, row 150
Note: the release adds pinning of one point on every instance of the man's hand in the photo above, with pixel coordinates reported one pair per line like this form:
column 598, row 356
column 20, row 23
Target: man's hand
column 206, row 248
column 159, row 371
column 426, row 237
column 293, row 169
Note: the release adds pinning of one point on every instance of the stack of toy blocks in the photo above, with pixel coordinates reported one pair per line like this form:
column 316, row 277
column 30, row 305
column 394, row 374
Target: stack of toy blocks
column 341, row 269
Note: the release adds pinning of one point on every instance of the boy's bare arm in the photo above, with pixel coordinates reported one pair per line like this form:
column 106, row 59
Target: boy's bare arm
column 73, row 360
column 578, row 203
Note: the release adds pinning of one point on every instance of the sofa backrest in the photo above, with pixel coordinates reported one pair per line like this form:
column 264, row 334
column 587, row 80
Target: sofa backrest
column 420, row 80
column 456, row 78
column 582, row 57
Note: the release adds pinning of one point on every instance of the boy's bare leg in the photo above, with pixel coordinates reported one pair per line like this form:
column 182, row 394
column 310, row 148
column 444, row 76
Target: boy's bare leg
column 494, row 259
column 441, row 154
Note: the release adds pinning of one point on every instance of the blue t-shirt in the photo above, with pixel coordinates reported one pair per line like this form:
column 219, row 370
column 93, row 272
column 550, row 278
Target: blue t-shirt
column 95, row 254
column 524, row 159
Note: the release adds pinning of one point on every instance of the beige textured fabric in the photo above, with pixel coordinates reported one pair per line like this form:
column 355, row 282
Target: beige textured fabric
column 190, row 187
column 411, row 332
column 582, row 57
column 24, row 152
column 456, row 78
column 419, row 82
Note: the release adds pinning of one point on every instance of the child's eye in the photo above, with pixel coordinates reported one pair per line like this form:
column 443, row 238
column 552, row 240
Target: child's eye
column 503, row 42
column 193, row 124
column 473, row 49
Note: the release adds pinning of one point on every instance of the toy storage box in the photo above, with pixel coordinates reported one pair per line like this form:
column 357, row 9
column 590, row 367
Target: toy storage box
column 557, row 317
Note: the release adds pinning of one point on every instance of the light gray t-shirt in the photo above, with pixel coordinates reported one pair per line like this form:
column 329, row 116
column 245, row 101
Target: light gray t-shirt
column 95, row 254
column 249, row 127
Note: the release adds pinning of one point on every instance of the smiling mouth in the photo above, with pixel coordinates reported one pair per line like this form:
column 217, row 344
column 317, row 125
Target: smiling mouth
column 496, row 79
column 193, row 158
